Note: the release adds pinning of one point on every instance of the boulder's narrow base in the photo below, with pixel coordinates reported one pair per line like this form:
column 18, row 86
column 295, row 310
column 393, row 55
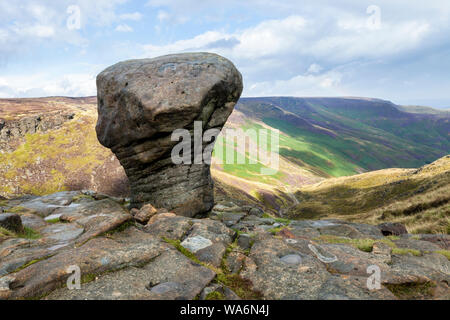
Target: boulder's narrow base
column 186, row 190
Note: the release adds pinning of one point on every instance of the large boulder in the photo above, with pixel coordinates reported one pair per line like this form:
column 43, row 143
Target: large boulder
column 142, row 102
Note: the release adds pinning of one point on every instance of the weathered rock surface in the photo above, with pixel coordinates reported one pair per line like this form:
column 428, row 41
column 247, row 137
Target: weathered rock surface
column 18, row 128
column 11, row 222
column 140, row 104
column 145, row 213
column 392, row 229
column 177, row 257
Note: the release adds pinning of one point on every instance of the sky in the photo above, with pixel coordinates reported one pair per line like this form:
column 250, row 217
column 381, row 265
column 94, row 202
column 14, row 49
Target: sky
column 394, row 50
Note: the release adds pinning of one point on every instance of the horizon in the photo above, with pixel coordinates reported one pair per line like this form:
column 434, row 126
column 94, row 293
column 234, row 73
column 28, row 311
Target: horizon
column 390, row 51
column 257, row 97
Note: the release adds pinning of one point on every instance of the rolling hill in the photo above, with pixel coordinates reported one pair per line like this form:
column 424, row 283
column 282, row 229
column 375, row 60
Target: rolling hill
column 322, row 138
column 418, row 198
column 49, row 144
column 341, row 136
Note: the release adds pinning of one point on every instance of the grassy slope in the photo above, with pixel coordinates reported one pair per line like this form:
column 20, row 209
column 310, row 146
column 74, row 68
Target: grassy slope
column 65, row 158
column 325, row 137
column 352, row 135
column 420, row 198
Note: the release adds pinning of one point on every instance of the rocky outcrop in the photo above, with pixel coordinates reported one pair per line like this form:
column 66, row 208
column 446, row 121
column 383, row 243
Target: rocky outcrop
column 392, row 229
column 11, row 222
column 176, row 257
column 140, row 104
column 18, row 128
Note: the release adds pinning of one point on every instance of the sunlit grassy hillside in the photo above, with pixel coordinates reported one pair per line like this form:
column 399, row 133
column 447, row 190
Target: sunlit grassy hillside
column 419, row 198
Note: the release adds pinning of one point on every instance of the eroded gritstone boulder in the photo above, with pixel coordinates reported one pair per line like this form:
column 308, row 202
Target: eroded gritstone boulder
column 141, row 103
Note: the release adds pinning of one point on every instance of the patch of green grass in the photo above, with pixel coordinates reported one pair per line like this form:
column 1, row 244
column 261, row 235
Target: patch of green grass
column 242, row 287
column 29, row 234
column 81, row 197
column 17, row 209
column 283, row 221
column 120, row 228
column 85, row 278
column 215, row 296
column 414, row 290
column 445, row 253
column 275, row 230
column 232, row 247
column 6, row 232
column 394, row 238
column 403, row 251
column 29, row 263
column 55, row 220
column 277, row 219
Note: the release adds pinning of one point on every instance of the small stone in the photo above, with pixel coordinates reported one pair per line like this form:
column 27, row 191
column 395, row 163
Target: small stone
column 11, row 222
column 166, row 287
column 231, row 218
column 160, row 216
column 53, row 217
column 244, row 241
column 194, row 244
column 255, row 211
column 145, row 213
column 134, row 211
column 222, row 290
column 207, row 290
column 292, row 259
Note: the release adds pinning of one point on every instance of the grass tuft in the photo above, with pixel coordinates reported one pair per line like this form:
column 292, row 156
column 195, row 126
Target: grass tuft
column 412, row 291
column 403, row 251
column 215, row 295
column 29, row 234
column 445, row 253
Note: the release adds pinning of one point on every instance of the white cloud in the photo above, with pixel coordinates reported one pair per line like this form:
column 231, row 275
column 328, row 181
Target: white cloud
column 135, row 16
column 295, row 35
column 314, row 68
column 327, row 84
column 46, row 19
column 163, row 16
column 124, row 28
column 289, row 47
column 41, row 85
column 294, row 52
column 39, row 31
